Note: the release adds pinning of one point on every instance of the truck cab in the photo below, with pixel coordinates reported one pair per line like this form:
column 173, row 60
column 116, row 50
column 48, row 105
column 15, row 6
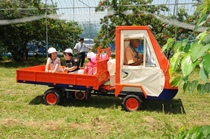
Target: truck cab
column 151, row 78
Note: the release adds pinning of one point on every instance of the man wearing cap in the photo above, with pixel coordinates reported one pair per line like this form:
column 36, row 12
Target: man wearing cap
column 72, row 64
column 81, row 48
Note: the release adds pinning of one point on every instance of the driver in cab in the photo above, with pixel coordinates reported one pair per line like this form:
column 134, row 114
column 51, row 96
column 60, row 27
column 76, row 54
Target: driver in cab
column 131, row 56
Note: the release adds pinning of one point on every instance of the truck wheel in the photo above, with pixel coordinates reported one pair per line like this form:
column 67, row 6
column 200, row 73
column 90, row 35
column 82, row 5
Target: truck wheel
column 62, row 95
column 131, row 103
column 51, row 97
column 79, row 95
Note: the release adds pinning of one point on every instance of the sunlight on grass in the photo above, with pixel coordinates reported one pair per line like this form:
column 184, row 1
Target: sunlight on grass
column 23, row 114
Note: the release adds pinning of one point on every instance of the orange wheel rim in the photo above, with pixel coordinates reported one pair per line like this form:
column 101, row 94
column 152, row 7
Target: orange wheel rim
column 51, row 98
column 132, row 104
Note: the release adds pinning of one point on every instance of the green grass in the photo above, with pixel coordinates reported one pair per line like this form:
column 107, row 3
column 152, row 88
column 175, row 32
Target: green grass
column 23, row 114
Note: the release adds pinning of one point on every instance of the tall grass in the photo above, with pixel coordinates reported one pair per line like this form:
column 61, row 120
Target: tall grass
column 23, row 114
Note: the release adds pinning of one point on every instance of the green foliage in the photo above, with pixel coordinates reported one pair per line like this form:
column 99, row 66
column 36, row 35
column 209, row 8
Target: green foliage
column 197, row 50
column 190, row 86
column 197, row 132
column 174, row 63
column 14, row 37
column 89, row 30
column 119, row 14
column 203, row 11
column 192, row 56
column 187, row 66
column 168, row 45
column 203, row 74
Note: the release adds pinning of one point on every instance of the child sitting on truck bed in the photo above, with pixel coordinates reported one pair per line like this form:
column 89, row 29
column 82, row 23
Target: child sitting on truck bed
column 90, row 67
column 72, row 64
column 53, row 62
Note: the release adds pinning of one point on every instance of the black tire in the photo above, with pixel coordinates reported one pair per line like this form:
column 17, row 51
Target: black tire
column 131, row 103
column 51, row 97
column 62, row 95
column 80, row 95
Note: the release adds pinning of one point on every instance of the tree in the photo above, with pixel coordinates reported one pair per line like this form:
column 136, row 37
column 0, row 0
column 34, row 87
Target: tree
column 192, row 58
column 89, row 30
column 137, row 12
column 15, row 36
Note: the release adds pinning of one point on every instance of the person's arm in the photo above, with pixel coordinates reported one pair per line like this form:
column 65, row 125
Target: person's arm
column 76, row 51
column 86, row 48
column 71, row 69
column 75, row 65
column 47, row 66
column 136, row 63
column 139, row 60
column 131, row 60
column 140, row 57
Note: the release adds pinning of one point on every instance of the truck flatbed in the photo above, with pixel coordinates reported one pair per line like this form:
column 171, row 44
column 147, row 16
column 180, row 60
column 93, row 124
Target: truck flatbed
column 37, row 75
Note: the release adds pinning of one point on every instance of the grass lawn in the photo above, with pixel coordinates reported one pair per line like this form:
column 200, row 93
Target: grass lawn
column 23, row 114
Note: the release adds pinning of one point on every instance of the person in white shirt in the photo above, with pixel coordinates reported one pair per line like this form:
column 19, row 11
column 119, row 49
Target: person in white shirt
column 80, row 49
column 53, row 62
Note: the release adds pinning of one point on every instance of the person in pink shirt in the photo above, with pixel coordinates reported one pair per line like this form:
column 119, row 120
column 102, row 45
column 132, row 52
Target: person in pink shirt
column 90, row 67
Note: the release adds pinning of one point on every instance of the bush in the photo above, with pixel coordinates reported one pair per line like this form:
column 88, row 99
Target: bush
column 197, row 132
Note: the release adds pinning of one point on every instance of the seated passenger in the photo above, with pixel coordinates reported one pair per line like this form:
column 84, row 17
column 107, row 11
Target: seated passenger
column 72, row 64
column 53, row 62
column 90, row 67
column 131, row 56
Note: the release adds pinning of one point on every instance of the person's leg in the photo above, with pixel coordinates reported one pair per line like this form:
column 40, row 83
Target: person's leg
column 82, row 58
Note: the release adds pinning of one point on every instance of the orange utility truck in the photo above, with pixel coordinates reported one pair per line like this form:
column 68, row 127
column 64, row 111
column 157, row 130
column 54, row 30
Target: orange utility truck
column 150, row 80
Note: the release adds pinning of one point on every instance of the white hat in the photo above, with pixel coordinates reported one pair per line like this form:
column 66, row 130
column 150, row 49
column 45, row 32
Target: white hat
column 51, row 50
column 89, row 55
column 68, row 50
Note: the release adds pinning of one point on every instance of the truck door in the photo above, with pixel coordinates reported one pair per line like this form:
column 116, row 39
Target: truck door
column 147, row 77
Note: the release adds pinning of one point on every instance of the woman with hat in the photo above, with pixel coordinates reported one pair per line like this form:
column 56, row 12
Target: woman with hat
column 53, row 62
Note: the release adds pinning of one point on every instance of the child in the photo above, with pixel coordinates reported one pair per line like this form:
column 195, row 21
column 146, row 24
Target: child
column 72, row 64
column 53, row 62
column 90, row 67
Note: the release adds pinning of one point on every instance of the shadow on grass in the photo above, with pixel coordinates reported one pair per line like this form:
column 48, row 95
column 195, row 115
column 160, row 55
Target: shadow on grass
column 37, row 100
column 174, row 106
column 95, row 101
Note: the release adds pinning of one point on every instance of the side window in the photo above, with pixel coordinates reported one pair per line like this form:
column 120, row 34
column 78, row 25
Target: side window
column 149, row 57
column 133, row 51
column 140, row 49
column 137, row 51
